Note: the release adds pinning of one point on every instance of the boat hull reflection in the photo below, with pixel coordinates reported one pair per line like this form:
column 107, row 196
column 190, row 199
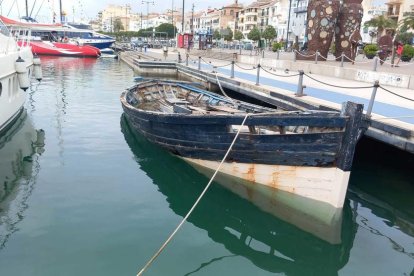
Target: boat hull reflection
column 19, row 147
column 268, row 241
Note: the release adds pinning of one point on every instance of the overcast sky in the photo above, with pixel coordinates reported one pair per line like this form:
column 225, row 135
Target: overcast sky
column 88, row 9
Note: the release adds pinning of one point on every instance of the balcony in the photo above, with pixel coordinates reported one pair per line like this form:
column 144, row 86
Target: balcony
column 300, row 9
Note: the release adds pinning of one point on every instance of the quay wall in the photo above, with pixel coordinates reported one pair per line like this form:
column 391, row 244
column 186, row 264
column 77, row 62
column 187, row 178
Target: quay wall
column 357, row 74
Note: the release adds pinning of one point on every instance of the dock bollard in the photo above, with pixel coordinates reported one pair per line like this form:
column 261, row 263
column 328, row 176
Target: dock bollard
column 186, row 60
column 294, row 55
column 299, row 91
column 342, row 59
column 372, row 100
column 263, row 53
column 258, row 74
column 277, row 54
column 316, row 57
column 232, row 70
column 375, row 63
column 199, row 63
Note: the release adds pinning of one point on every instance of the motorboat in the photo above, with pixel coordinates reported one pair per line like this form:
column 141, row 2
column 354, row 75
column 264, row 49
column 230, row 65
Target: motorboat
column 50, row 39
column 17, row 66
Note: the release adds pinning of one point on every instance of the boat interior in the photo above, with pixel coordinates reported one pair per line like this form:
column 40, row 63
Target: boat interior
column 186, row 98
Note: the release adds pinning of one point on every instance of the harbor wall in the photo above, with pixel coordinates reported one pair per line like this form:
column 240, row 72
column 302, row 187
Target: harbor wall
column 385, row 78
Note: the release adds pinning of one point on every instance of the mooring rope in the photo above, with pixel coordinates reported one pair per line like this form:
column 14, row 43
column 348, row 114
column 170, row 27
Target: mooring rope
column 221, row 88
column 196, row 202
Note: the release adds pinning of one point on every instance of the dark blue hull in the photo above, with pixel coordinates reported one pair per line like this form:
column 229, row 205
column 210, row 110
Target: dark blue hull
column 329, row 139
column 100, row 45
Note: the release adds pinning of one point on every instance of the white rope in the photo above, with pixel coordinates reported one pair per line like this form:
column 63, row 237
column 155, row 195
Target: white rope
column 195, row 204
column 304, row 55
column 221, row 88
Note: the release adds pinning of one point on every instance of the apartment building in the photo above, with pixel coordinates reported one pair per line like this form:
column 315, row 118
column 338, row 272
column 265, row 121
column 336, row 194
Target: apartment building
column 113, row 12
column 248, row 17
column 228, row 15
column 278, row 17
column 396, row 9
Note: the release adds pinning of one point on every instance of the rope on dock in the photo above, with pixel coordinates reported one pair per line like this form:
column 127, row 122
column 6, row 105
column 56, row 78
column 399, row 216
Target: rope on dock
column 395, row 94
column 245, row 68
column 277, row 75
column 196, row 202
column 338, row 86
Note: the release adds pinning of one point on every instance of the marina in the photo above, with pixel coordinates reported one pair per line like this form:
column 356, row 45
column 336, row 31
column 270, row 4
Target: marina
column 104, row 198
column 221, row 151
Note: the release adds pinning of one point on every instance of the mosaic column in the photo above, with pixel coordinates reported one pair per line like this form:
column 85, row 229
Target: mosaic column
column 347, row 32
column 322, row 15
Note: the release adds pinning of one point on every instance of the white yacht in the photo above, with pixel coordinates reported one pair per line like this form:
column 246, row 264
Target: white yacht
column 17, row 64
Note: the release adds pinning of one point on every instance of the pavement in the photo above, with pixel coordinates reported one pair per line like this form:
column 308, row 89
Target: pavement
column 395, row 106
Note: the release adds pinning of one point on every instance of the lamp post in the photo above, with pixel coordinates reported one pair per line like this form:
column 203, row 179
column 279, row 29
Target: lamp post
column 147, row 2
column 172, row 16
column 182, row 20
column 287, row 32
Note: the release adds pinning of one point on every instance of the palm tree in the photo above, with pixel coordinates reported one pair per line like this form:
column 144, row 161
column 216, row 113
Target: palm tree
column 407, row 22
column 381, row 23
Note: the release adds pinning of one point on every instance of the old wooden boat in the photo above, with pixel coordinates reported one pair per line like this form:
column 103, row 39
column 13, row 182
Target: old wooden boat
column 307, row 153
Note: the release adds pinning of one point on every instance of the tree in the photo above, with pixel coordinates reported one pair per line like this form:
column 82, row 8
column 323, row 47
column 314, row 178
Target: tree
column 407, row 22
column 167, row 28
column 145, row 32
column 254, row 34
column 381, row 23
column 118, row 26
column 238, row 35
column 269, row 34
column 228, row 34
column 405, row 38
column 216, row 34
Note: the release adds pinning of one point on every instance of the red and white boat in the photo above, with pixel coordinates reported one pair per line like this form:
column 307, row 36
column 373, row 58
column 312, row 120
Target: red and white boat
column 63, row 49
column 51, row 47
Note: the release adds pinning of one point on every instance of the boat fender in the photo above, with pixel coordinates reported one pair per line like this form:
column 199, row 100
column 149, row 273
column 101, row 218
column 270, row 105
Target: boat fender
column 37, row 68
column 22, row 76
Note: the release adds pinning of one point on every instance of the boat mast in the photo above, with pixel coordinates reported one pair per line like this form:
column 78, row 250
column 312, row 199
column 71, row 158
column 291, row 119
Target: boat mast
column 27, row 10
column 60, row 10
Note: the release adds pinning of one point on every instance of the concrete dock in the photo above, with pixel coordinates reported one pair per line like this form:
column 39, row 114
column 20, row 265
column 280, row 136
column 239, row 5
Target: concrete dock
column 392, row 117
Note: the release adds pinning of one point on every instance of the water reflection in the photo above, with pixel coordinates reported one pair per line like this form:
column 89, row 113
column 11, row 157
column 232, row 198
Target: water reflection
column 20, row 147
column 267, row 241
column 385, row 188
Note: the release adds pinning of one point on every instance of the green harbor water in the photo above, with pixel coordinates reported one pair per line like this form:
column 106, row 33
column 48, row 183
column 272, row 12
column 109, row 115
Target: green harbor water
column 97, row 199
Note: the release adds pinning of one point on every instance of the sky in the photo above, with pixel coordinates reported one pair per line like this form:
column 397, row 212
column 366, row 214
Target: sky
column 88, row 9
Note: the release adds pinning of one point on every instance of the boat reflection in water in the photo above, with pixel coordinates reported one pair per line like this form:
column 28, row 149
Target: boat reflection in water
column 20, row 146
column 267, row 240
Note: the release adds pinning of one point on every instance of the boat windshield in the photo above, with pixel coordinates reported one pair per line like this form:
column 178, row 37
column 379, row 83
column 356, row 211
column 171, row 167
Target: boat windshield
column 3, row 29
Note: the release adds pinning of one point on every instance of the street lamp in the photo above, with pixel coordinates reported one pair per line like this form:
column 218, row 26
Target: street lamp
column 287, row 33
column 147, row 2
column 182, row 20
column 172, row 16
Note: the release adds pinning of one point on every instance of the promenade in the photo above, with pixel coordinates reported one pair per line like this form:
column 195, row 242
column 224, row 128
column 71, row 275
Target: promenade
column 393, row 105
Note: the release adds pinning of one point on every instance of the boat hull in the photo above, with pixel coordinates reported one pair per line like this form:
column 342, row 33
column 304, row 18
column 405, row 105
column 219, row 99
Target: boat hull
column 63, row 49
column 304, row 153
column 12, row 97
column 324, row 184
